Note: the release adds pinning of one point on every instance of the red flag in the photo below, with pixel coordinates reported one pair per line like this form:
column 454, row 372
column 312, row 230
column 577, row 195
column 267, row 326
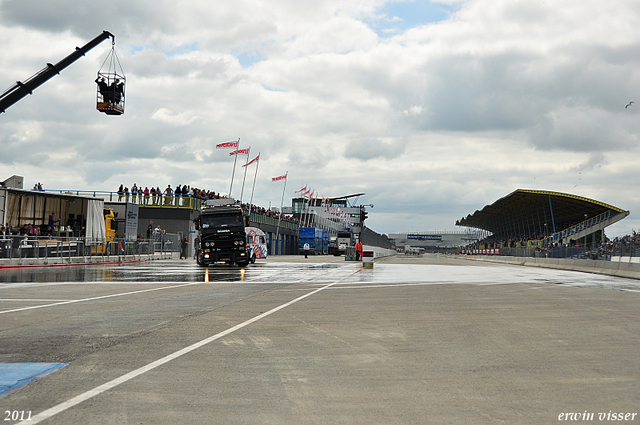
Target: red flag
column 257, row 158
column 275, row 179
column 301, row 190
column 227, row 145
column 242, row 151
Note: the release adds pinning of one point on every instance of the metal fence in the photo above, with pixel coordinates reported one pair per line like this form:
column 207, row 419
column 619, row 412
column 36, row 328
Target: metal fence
column 627, row 246
column 624, row 247
column 583, row 252
column 21, row 248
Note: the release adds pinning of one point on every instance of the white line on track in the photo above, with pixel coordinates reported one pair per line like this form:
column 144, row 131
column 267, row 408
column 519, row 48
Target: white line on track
column 98, row 298
column 135, row 373
column 30, row 299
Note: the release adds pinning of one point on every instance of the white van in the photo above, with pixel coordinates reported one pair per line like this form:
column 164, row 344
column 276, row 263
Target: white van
column 256, row 243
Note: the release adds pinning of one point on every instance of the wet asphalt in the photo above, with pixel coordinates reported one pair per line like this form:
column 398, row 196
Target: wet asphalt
column 305, row 341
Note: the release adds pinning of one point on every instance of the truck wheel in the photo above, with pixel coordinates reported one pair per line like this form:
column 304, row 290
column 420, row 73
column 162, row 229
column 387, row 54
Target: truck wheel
column 253, row 259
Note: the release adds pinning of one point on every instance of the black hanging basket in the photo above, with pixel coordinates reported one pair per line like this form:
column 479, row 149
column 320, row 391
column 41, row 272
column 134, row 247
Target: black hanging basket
column 111, row 84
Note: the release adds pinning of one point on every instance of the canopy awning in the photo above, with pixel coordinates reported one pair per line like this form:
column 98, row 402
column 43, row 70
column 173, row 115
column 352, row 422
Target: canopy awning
column 531, row 213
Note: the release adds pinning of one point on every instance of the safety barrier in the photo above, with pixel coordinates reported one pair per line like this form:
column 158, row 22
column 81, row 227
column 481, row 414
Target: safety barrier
column 612, row 268
column 20, row 250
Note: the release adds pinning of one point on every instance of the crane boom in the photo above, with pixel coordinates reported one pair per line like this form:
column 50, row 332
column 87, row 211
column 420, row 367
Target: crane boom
column 20, row 89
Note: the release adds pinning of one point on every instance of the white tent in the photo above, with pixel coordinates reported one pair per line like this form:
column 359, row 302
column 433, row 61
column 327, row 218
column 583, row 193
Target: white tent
column 96, row 233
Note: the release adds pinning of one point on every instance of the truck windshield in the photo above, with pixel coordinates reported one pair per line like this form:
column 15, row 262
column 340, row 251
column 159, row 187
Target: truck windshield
column 226, row 220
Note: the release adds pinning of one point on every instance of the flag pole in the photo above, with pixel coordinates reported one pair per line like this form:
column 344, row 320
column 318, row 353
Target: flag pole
column 254, row 184
column 280, row 215
column 308, row 211
column 234, row 167
column 304, row 211
column 245, row 173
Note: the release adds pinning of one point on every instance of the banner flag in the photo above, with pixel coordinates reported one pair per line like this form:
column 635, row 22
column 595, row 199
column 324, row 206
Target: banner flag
column 275, row 179
column 240, row 151
column 227, row 145
column 301, row 190
column 257, row 158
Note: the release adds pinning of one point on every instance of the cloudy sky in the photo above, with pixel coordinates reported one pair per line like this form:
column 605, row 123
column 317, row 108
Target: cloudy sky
column 433, row 109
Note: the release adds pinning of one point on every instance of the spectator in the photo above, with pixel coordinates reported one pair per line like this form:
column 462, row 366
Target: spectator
column 168, row 192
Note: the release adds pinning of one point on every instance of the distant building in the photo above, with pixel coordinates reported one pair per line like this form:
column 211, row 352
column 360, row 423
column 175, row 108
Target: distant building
column 333, row 214
column 435, row 240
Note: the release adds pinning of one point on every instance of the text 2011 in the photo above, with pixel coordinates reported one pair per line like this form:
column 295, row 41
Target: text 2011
column 17, row 415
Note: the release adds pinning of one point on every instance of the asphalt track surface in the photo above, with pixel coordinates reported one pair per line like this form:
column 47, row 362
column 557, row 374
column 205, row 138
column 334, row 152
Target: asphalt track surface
column 429, row 340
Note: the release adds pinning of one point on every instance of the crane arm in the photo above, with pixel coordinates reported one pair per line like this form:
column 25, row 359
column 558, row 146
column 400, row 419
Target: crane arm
column 20, row 89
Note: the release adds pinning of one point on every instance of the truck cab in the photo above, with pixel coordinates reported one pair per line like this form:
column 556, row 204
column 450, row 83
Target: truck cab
column 222, row 234
column 343, row 241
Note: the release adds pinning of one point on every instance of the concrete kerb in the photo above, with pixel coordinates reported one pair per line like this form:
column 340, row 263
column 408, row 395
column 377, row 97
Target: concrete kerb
column 379, row 252
column 611, row 268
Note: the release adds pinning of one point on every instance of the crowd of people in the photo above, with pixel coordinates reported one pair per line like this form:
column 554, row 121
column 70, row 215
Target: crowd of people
column 269, row 213
column 111, row 93
column 180, row 196
column 628, row 245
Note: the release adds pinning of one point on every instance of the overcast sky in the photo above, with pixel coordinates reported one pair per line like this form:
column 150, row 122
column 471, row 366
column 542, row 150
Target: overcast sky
column 433, row 109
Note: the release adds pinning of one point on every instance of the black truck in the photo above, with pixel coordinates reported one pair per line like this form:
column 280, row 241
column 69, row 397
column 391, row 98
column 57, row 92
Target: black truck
column 222, row 234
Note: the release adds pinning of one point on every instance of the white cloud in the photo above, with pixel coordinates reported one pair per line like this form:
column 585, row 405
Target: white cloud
column 177, row 119
column 432, row 123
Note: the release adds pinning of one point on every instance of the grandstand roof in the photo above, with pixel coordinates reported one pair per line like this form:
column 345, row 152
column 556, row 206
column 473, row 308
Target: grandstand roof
column 526, row 211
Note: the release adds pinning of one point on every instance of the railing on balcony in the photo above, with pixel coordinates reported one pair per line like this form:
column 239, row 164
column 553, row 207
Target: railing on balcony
column 152, row 201
column 273, row 221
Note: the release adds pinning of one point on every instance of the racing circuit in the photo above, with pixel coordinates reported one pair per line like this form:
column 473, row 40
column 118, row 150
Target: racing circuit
column 430, row 339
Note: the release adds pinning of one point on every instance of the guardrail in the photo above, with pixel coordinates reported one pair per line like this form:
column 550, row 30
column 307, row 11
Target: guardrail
column 273, row 221
column 28, row 249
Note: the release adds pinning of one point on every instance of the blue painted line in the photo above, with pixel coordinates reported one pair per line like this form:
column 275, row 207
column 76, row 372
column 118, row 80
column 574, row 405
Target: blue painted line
column 15, row 375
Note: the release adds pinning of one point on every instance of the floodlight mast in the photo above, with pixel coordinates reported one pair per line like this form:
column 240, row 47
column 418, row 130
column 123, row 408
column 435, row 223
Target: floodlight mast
column 20, row 89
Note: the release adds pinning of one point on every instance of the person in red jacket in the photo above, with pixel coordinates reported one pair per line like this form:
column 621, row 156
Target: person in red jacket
column 358, row 250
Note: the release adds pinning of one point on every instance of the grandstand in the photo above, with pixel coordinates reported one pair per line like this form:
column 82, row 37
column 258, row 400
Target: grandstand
column 537, row 219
